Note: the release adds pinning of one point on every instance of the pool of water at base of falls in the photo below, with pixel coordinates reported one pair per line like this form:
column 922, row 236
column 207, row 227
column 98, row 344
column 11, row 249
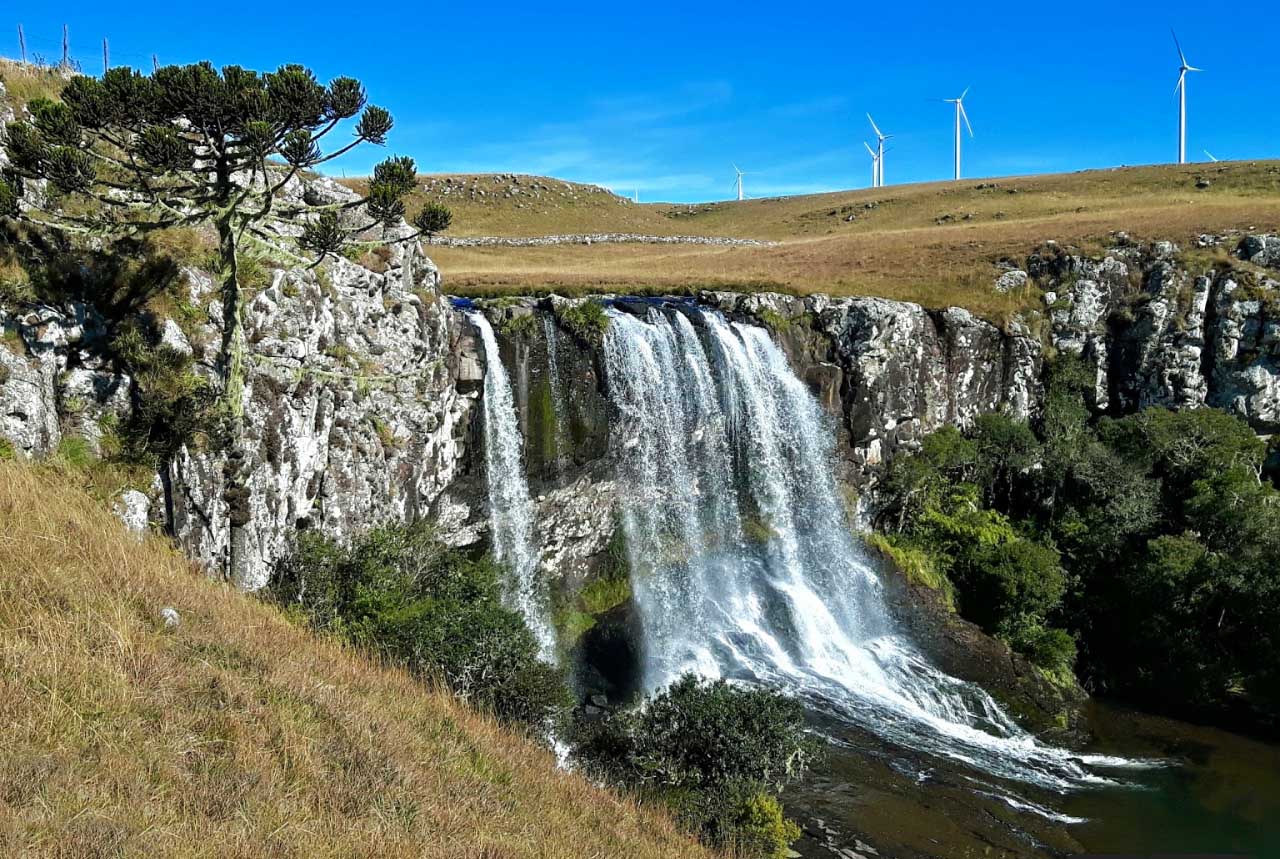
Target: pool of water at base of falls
column 1216, row 794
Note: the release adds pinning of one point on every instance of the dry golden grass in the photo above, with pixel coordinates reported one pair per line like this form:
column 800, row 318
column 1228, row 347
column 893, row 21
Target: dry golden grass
column 25, row 83
column 240, row 734
column 935, row 243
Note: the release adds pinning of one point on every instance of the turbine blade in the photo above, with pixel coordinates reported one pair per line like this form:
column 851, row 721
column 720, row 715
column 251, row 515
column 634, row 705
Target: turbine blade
column 1210, row 154
column 1178, row 45
column 965, row 93
column 966, row 119
column 1192, row 69
column 1178, row 85
column 869, row 149
column 873, row 126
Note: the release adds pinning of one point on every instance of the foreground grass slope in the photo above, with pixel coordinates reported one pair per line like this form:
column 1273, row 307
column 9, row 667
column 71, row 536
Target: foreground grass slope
column 238, row 733
column 936, row 243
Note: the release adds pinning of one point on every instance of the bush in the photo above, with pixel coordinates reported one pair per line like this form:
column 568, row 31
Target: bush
column 1007, row 585
column 714, row 752
column 586, row 320
column 399, row 592
column 760, row 829
column 1150, row 543
column 1052, row 649
column 172, row 405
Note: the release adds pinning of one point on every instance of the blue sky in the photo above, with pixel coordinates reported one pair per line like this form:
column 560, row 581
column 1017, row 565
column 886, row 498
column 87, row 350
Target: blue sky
column 662, row 97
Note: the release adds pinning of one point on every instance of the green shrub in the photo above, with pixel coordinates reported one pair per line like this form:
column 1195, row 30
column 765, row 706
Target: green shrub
column 761, row 829
column 917, row 564
column 1150, row 543
column 400, row 593
column 586, row 320
column 1052, row 649
column 713, row 752
column 172, row 404
column 7, row 450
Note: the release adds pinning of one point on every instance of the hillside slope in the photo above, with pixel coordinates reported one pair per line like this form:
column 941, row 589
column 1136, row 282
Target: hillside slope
column 238, row 733
column 938, row 243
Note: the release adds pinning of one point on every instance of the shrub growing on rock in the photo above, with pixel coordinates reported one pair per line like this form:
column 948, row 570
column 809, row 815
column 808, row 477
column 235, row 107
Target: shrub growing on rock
column 400, row 593
column 1150, row 542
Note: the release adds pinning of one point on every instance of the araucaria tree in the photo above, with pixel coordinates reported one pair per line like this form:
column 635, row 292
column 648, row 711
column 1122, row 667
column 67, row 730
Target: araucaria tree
column 191, row 146
column 194, row 147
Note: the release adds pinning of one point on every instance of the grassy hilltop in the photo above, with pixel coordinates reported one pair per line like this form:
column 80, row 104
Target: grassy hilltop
column 936, row 243
column 239, row 733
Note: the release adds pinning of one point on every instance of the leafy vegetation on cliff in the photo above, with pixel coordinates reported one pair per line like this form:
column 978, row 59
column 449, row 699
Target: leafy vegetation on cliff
column 1149, row 542
column 397, row 592
column 239, row 733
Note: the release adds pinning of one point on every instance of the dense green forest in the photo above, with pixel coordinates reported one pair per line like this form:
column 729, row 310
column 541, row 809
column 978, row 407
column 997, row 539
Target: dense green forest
column 1144, row 550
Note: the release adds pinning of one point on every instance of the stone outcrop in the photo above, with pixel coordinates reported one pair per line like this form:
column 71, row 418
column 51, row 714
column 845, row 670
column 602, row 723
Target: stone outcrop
column 357, row 405
column 362, row 386
column 1160, row 332
column 353, row 413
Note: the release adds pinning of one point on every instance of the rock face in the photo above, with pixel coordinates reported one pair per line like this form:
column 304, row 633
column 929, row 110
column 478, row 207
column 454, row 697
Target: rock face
column 357, row 406
column 1160, row 333
column 362, row 385
column 354, row 414
column 893, row 371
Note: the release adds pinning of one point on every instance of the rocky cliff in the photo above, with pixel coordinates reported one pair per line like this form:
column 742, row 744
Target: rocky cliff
column 363, row 384
column 358, row 399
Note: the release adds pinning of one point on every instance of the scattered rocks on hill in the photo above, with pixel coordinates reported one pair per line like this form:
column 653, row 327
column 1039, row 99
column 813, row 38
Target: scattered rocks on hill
column 1261, row 250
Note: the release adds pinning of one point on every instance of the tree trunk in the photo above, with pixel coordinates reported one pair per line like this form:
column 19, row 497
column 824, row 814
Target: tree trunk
column 235, row 467
column 232, row 323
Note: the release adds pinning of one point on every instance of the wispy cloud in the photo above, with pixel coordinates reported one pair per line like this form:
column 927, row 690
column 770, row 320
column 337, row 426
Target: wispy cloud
column 624, row 142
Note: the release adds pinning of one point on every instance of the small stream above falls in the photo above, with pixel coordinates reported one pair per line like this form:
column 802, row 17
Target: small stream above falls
column 720, row 465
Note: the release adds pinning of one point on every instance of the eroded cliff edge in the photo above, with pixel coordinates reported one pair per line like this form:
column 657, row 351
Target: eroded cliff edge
column 363, row 384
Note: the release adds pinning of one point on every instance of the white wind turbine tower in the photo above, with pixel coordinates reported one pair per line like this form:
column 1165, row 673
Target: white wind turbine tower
column 959, row 103
column 875, row 165
column 739, row 182
column 1181, row 90
column 879, row 156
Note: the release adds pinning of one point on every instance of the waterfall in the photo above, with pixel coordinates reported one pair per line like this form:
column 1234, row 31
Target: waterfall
column 743, row 561
column 511, row 517
column 559, row 401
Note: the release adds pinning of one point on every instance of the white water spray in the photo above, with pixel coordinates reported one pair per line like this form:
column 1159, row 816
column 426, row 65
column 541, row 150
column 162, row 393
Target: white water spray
column 511, row 517
column 743, row 561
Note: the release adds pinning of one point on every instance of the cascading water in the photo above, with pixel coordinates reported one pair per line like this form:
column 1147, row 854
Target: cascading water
column 511, row 519
column 744, row 564
column 559, row 401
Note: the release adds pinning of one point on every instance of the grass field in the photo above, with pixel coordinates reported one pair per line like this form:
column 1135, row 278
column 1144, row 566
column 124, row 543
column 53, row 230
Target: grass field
column 240, row 734
column 936, row 243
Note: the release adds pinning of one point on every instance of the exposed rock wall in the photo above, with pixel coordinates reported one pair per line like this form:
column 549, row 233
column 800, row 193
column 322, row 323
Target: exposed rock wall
column 359, row 391
column 362, row 386
column 354, row 414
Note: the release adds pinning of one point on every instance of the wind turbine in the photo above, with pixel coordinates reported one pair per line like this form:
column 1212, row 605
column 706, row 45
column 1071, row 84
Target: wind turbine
column 880, row 139
column 959, row 103
column 739, row 182
column 1181, row 90
column 875, row 165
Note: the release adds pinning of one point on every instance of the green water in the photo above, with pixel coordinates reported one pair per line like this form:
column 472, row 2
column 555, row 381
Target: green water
column 1219, row 793
column 1214, row 793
